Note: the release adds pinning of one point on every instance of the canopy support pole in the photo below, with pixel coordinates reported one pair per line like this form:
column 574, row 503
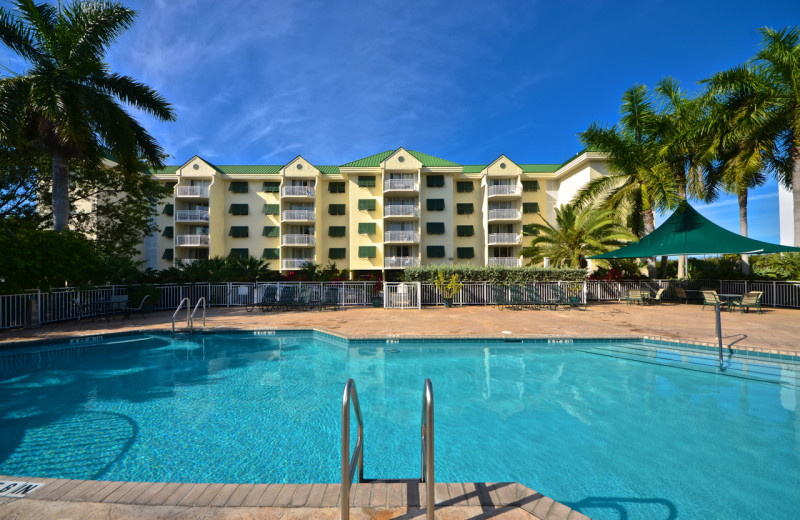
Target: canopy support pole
column 719, row 335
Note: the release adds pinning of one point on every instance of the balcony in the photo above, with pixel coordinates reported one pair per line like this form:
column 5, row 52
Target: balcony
column 187, row 261
column 298, row 240
column 298, row 215
column 191, row 215
column 400, row 211
column 504, row 190
column 504, row 238
column 305, row 192
column 191, row 192
column 505, row 261
column 504, row 214
column 191, row 240
column 295, row 263
column 401, row 237
column 400, row 185
column 400, row 262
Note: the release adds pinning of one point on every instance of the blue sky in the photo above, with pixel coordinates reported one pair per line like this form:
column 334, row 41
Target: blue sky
column 258, row 82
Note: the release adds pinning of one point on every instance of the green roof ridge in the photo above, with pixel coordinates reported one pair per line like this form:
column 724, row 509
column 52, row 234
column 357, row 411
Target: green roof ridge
column 430, row 160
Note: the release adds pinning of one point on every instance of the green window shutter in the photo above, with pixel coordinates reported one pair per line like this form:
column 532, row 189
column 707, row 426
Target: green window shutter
column 366, row 204
column 336, row 231
column 465, row 252
column 435, row 181
column 435, row 228
column 530, row 207
column 466, row 208
column 335, row 187
column 336, row 209
column 238, row 209
column 238, row 187
column 239, row 232
column 168, row 232
column 366, row 228
column 465, row 231
column 337, row 253
column 435, row 204
column 367, row 252
column 530, row 185
column 271, row 253
column 366, row 181
column 465, row 186
column 271, row 231
column 167, row 254
column 169, row 209
column 241, row 252
column 271, row 187
column 435, row 251
column 272, row 209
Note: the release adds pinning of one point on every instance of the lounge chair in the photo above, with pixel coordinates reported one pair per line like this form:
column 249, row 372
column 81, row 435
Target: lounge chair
column 330, row 298
column 751, row 299
column 286, row 298
column 517, row 299
column 681, row 294
column 83, row 310
column 559, row 298
column 532, row 297
column 711, row 298
column 499, row 298
column 140, row 308
column 304, row 298
column 658, row 297
column 268, row 298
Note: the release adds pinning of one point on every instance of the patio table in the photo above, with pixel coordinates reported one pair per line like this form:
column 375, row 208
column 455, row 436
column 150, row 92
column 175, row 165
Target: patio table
column 728, row 298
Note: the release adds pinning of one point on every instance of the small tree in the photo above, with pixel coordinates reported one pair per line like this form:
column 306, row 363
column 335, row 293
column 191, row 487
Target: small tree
column 448, row 288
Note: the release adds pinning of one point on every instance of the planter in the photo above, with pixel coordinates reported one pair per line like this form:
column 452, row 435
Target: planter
column 448, row 302
column 377, row 301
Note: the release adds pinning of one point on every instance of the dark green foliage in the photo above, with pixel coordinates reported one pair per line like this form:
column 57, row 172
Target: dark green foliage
column 785, row 266
column 494, row 274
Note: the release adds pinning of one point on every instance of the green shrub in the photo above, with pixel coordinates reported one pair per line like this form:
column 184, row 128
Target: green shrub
column 494, row 274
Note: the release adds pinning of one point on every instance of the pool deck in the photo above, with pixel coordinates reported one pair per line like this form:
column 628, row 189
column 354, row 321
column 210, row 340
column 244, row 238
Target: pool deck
column 776, row 330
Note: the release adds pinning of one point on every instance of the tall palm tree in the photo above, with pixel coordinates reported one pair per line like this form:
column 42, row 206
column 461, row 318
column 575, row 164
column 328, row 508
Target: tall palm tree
column 69, row 104
column 578, row 232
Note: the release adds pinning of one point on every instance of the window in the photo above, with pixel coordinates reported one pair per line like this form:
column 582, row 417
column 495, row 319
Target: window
column 366, row 204
column 336, row 209
column 435, row 181
column 271, row 253
column 465, row 252
column 240, row 252
column 238, row 209
column 239, row 232
column 466, row 208
column 435, row 251
column 465, row 186
column 336, row 231
column 271, row 187
column 435, row 228
column 530, row 185
column 238, row 187
column 168, row 232
column 366, row 228
column 335, row 187
column 337, row 253
column 366, row 181
column 272, row 209
column 465, row 231
column 167, row 254
column 271, row 231
column 169, row 209
column 530, row 207
column 367, row 252
column 435, row 204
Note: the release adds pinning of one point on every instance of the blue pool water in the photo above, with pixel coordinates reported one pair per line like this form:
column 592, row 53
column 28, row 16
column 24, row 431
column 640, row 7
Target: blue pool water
column 613, row 429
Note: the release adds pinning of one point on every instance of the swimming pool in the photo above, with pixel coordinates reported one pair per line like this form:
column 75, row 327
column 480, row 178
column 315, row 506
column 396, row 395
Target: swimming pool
column 606, row 427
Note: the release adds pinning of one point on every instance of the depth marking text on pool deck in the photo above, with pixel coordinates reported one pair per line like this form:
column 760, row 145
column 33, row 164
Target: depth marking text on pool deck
column 17, row 489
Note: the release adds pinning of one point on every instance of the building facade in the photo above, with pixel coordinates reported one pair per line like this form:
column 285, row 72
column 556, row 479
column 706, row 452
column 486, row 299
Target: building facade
column 384, row 212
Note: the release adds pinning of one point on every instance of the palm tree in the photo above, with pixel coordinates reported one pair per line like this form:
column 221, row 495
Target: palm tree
column 69, row 104
column 578, row 232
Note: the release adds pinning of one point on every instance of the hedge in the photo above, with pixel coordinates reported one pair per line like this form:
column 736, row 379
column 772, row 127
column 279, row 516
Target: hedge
column 494, row 274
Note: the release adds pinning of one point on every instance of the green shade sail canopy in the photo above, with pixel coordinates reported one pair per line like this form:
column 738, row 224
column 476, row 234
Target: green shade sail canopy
column 687, row 232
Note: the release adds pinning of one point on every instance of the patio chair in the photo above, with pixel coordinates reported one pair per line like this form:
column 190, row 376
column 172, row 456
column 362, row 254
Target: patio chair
column 268, row 298
column 517, row 299
column 658, row 297
column 140, row 308
column 286, row 298
column 83, row 310
column 532, row 298
column 330, row 298
column 634, row 296
column 711, row 298
column 304, row 298
column 559, row 298
column 499, row 298
column 751, row 299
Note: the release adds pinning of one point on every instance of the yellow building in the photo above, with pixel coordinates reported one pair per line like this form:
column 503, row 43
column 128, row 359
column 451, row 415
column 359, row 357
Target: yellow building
column 387, row 211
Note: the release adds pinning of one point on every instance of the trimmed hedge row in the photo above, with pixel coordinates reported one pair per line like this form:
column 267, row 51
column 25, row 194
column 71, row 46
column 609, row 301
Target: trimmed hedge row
column 494, row 274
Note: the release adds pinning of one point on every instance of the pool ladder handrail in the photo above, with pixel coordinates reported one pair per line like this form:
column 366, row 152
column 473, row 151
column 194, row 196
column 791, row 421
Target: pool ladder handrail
column 427, row 447
column 191, row 319
column 175, row 314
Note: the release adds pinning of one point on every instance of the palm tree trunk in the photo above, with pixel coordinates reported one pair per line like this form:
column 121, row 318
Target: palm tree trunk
column 796, row 190
column 649, row 224
column 60, row 166
column 743, row 229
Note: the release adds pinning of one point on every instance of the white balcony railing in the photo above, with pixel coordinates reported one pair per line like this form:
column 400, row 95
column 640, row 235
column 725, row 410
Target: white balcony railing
column 187, row 261
column 504, row 238
column 505, row 261
column 192, row 191
column 400, row 185
column 298, row 215
column 503, row 214
column 400, row 262
column 295, row 263
column 504, row 189
column 297, row 240
column 297, row 191
column 401, row 236
column 397, row 210
column 191, row 240
column 191, row 215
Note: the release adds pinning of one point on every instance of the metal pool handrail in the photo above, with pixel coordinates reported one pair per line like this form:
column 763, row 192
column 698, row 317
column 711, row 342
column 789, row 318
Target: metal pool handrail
column 180, row 305
column 427, row 448
column 191, row 320
column 349, row 465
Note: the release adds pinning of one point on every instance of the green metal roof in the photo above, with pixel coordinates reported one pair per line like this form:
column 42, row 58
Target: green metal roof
column 374, row 161
column 327, row 169
column 166, row 170
column 249, row 168
column 473, row 168
column 430, row 160
column 539, row 168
